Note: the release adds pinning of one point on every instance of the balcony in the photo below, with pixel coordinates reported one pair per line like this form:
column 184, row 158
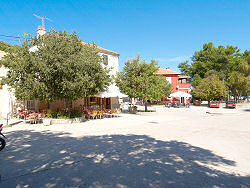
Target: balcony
column 184, row 85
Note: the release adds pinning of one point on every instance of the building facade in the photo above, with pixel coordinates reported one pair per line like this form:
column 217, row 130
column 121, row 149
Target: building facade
column 108, row 99
column 180, row 83
column 7, row 99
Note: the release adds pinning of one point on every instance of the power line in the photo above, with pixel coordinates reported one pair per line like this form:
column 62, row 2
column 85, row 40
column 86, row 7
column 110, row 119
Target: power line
column 9, row 36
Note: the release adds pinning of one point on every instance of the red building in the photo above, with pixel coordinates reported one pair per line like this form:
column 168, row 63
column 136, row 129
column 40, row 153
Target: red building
column 179, row 83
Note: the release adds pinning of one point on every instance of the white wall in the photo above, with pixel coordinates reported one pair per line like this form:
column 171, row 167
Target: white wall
column 113, row 62
column 6, row 97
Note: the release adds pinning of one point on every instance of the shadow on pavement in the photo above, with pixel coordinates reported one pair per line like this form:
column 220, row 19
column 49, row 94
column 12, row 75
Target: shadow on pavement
column 45, row 159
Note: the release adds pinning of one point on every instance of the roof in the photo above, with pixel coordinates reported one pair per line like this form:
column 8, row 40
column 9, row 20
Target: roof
column 101, row 49
column 184, row 76
column 161, row 71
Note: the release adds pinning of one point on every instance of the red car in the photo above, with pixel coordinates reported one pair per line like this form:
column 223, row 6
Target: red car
column 214, row 104
column 230, row 104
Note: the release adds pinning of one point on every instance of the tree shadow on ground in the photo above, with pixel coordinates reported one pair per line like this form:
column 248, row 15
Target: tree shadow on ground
column 247, row 110
column 45, row 159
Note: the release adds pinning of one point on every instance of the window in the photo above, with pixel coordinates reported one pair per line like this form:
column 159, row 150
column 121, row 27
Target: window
column 183, row 81
column 105, row 59
column 30, row 105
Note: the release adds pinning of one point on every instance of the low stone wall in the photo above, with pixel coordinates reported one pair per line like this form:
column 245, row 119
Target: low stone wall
column 49, row 121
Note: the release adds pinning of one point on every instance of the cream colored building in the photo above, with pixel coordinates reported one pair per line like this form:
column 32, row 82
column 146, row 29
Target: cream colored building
column 108, row 99
column 7, row 99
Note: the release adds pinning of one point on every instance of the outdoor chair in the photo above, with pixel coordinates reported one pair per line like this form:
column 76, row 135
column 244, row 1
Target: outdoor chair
column 86, row 114
column 101, row 114
column 109, row 113
column 182, row 105
column 117, row 113
column 177, row 105
column 93, row 115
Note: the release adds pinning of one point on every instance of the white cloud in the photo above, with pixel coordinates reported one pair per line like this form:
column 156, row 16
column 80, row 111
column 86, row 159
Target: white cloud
column 174, row 59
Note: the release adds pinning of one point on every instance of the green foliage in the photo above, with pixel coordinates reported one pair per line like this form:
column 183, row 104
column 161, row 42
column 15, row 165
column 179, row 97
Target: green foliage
column 75, row 113
column 196, row 80
column 239, row 84
column 54, row 114
column 244, row 66
column 49, row 114
column 219, row 61
column 4, row 46
column 210, row 88
column 161, row 103
column 63, row 115
column 138, row 80
column 185, row 68
column 60, row 68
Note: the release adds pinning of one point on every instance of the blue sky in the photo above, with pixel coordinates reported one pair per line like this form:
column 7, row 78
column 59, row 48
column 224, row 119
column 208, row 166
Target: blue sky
column 166, row 30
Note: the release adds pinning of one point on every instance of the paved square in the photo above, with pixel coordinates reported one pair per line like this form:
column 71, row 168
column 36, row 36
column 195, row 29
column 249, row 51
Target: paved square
column 186, row 147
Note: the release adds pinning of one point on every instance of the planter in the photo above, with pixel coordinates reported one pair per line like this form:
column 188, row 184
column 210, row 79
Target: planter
column 78, row 120
column 47, row 121
column 61, row 121
column 67, row 121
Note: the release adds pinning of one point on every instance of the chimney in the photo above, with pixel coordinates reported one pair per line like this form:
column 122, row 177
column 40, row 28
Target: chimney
column 41, row 30
column 168, row 68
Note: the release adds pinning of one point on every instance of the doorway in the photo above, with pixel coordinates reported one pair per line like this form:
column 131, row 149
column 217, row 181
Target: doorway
column 182, row 100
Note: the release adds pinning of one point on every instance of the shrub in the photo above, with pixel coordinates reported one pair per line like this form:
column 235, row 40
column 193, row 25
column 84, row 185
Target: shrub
column 75, row 113
column 161, row 103
column 54, row 114
column 62, row 117
column 49, row 114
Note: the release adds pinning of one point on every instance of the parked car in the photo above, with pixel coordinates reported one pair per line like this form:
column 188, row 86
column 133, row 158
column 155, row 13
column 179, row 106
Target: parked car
column 214, row 104
column 230, row 104
column 197, row 103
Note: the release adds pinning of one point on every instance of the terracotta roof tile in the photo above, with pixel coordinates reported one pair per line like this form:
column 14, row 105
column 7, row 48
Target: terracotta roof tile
column 101, row 49
column 165, row 71
column 183, row 76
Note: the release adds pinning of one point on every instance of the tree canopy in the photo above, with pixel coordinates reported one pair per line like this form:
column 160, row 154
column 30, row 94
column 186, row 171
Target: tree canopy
column 210, row 88
column 4, row 46
column 224, row 62
column 60, row 67
column 138, row 80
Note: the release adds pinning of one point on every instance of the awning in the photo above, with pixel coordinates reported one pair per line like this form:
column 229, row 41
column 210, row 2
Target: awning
column 113, row 91
column 180, row 94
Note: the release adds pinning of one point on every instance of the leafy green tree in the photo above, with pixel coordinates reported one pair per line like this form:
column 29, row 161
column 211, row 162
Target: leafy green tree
column 239, row 85
column 138, row 80
column 4, row 46
column 220, row 61
column 210, row 88
column 60, row 68
column 244, row 66
column 185, row 68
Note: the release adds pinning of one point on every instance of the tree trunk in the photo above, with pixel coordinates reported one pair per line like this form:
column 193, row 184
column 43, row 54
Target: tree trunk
column 146, row 106
column 48, row 105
